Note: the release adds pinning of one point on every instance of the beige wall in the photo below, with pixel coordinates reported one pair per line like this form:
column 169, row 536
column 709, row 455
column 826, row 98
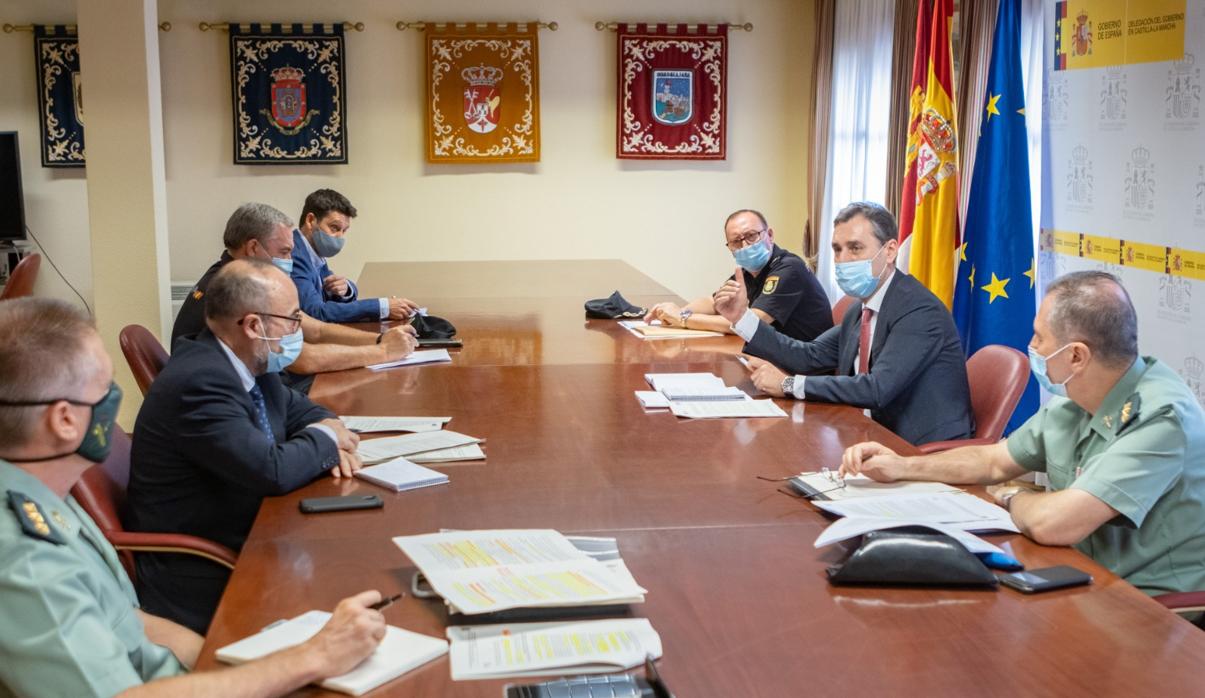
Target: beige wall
column 579, row 201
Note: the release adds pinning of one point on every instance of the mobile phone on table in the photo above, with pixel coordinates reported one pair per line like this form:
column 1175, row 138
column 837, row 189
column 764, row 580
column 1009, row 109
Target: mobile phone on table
column 438, row 342
column 321, row 505
column 1045, row 579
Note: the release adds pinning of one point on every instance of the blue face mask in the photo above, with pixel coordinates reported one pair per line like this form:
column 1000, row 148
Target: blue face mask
column 290, row 349
column 285, row 265
column 857, row 278
column 753, row 257
column 1037, row 364
column 325, row 244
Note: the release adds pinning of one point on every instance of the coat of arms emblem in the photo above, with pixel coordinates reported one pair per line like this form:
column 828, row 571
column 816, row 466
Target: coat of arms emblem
column 481, row 97
column 673, row 96
column 1081, row 36
column 289, row 114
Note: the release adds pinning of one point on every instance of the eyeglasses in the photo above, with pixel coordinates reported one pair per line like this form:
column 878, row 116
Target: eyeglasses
column 294, row 319
column 745, row 240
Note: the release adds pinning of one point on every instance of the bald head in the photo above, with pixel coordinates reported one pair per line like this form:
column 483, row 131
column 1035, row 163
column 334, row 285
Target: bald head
column 1094, row 308
column 249, row 305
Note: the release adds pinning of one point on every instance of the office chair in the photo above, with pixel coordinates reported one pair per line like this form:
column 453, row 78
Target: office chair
column 998, row 376
column 102, row 494
column 145, row 355
column 841, row 307
column 21, row 280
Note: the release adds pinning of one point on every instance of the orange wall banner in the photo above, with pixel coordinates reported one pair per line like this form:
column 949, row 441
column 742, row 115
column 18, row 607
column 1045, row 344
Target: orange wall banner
column 483, row 93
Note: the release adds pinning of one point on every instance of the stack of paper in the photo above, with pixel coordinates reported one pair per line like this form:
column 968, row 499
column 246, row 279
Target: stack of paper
column 400, row 475
column 656, row 330
column 683, row 381
column 822, row 486
column 380, row 450
column 369, row 425
column 494, row 570
column 954, row 514
column 450, row 455
column 399, row 652
column 535, row 649
column 728, row 408
column 428, row 356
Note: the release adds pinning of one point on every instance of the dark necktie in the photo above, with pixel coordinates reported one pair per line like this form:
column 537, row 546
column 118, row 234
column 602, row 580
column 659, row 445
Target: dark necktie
column 261, row 412
column 864, row 342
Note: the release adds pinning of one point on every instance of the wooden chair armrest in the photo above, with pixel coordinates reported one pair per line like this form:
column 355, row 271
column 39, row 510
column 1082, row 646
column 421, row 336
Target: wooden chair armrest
column 1183, row 602
column 141, row 542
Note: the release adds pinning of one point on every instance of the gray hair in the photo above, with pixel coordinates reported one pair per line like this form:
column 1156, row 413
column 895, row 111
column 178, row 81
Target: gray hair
column 1094, row 308
column 242, row 287
column 253, row 221
column 43, row 341
column 755, row 212
column 880, row 219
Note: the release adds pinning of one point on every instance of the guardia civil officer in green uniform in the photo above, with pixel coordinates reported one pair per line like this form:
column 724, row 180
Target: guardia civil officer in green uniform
column 1122, row 441
column 71, row 623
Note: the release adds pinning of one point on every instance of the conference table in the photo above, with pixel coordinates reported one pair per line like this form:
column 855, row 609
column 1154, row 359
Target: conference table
column 736, row 589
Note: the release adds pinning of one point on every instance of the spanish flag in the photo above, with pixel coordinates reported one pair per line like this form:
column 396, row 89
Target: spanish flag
column 929, row 205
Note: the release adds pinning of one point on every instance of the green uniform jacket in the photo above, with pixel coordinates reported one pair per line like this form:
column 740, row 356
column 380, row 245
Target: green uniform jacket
column 70, row 625
column 1142, row 453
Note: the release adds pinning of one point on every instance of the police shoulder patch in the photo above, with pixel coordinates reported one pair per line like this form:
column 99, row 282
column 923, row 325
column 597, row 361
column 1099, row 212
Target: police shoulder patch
column 770, row 285
column 32, row 519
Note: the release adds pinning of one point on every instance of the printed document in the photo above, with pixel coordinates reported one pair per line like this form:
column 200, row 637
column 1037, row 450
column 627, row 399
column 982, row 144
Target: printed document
column 961, row 510
column 399, row 652
column 450, row 455
column 486, row 571
column 535, row 649
column 861, row 486
column 372, row 451
column 704, row 409
column 854, row 526
column 426, row 356
column 368, row 425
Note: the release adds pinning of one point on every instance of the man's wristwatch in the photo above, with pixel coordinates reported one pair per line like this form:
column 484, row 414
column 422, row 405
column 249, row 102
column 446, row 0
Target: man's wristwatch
column 684, row 315
column 788, row 386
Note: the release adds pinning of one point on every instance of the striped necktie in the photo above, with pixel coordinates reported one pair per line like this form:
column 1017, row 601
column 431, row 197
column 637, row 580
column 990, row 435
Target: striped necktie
column 261, row 412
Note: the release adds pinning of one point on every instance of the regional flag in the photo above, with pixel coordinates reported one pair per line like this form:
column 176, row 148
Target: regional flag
column 929, row 205
column 994, row 297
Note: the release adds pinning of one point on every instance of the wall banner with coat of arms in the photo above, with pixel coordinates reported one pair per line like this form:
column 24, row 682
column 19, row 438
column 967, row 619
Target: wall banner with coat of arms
column 483, row 93
column 60, row 99
column 288, row 92
column 672, row 92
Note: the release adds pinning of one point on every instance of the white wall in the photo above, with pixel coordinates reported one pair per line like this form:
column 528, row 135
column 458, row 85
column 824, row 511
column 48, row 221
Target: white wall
column 56, row 200
column 578, row 202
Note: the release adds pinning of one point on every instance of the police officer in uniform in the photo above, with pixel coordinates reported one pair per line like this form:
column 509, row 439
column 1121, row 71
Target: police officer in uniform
column 72, row 625
column 781, row 289
column 1122, row 441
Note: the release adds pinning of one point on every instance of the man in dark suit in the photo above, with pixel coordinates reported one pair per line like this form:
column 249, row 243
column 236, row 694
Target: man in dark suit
column 321, row 233
column 259, row 231
column 218, row 432
column 896, row 352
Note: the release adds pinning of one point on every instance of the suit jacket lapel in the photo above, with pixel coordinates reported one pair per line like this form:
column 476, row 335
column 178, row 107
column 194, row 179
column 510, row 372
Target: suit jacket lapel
column 896, row 294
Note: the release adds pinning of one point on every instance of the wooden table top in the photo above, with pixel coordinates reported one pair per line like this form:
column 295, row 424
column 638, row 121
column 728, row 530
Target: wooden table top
column 736, row 589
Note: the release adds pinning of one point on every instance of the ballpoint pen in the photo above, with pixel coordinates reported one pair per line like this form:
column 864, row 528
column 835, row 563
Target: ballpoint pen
column 385, row 602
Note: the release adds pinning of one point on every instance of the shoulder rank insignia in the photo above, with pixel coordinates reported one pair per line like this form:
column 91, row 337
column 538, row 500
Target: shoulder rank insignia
column 197, row 294
column 770, row 285
column 33, row 521
column 1129, row 412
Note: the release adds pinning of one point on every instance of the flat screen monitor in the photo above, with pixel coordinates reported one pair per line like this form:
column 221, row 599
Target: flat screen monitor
column 12, row 203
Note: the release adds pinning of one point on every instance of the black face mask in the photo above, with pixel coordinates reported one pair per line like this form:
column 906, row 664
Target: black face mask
column 97, row 440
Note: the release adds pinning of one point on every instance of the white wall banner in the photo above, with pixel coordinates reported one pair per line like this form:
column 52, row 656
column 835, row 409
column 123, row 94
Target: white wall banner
column 1123, row 171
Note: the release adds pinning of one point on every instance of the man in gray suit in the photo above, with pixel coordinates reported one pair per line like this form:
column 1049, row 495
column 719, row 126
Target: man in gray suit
column 895, row 353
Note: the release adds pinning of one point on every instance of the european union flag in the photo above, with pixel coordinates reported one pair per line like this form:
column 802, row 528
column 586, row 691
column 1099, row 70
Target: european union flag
column 994, row 293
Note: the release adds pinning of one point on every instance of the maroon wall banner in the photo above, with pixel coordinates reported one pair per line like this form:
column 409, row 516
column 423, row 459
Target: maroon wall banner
column 672, row 92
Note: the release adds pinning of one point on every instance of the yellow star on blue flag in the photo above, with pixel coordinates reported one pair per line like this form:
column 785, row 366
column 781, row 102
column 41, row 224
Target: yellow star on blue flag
column 998, row 235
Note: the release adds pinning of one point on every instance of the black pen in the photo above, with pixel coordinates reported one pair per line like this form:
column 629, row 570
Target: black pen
column 384, row 603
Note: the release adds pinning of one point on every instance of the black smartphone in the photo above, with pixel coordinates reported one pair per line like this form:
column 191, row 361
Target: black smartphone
column 437, row 342
column 1045, row 579
column 320, row 505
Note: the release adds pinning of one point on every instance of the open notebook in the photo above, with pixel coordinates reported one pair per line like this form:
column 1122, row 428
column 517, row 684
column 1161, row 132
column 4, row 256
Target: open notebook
column 399, row 652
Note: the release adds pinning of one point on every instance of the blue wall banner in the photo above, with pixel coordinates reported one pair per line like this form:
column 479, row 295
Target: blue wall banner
column 288, row 94
column 60, row 100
